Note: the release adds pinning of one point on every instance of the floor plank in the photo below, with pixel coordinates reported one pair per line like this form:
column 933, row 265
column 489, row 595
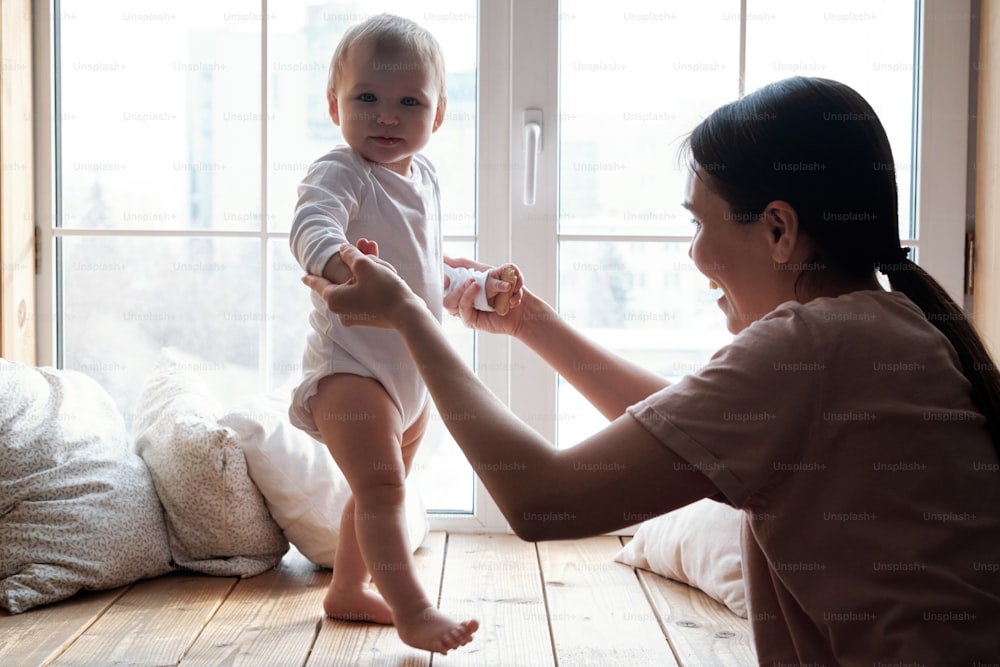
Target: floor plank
column 701, row 630
column 270, row 619
column 40, row 634
column 365, row 644
column 495, row 579
column 563, row 604
column 598, row 611
column 152, row 624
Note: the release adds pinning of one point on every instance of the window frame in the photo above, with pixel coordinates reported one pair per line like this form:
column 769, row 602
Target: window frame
column 518, row 70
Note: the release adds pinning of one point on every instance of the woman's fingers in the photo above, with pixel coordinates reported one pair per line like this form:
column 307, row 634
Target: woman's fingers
column 316, row 283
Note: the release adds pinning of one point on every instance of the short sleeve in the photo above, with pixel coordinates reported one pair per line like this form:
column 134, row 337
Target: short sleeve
column 456, row 275
column 745, row 416
column 329, row 196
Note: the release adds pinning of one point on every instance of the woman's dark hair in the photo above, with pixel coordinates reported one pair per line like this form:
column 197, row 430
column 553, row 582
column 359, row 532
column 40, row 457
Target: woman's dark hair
column 819, row 146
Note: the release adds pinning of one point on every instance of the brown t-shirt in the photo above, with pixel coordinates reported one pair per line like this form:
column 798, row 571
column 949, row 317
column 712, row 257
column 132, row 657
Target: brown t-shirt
column 844, row 429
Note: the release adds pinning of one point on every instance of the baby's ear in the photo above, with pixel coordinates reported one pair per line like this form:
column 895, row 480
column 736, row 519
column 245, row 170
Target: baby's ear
column 439, row 115
column 331, row 99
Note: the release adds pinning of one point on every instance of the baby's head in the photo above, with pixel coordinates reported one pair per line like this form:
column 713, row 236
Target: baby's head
column 399, row 42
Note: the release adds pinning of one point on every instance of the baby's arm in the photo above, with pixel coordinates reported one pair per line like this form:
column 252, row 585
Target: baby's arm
column 495, row 285
column 329, row 196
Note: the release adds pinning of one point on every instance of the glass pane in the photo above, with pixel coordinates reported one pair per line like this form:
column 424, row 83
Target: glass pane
column 289, row 301
column 646, row 301
column 789, row 37
column 301, row 39
column 124, row 299
column 627, row 99
column 440, row 469
column 160, row 114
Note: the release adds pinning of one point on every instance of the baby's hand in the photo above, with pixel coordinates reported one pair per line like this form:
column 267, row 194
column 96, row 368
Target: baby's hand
column 501, row 284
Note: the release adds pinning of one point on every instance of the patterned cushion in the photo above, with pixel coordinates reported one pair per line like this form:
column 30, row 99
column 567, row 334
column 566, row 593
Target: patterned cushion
column 216, row 518
column 77, row 506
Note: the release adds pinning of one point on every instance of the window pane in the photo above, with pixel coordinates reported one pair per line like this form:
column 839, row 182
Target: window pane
column 645, row 301
column 628, row 97
column 160, row 113
column 175, row 144
column 867, row 44
column 627, row 100
column 440, row 469
column 124, row 299
column 301, row 40
column 289, row 301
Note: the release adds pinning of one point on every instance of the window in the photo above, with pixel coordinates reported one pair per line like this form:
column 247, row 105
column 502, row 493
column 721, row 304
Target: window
column 628, row 99
column 178, row 135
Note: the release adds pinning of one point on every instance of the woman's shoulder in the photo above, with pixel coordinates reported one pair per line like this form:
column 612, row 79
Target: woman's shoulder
column 864, row 310
column 855, row 325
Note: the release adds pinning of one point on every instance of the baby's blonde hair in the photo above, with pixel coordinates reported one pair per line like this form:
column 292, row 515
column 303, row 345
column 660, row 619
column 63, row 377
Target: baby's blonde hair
column 390, row 33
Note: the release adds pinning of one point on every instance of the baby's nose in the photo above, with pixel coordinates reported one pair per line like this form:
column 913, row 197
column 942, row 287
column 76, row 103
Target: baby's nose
column 387, row 117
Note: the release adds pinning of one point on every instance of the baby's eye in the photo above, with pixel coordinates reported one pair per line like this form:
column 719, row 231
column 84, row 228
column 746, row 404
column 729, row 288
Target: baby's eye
column 366, row 97
column 410, row 101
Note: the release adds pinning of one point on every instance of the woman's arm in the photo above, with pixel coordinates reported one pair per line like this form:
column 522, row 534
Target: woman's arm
column 609, row 381
column 618, row 477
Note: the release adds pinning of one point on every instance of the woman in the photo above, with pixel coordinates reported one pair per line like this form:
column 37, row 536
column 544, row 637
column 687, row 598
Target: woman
column 857, row 428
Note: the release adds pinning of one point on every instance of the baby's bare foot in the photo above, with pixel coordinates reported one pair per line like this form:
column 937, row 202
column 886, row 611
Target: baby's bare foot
column 358, row 604
column 433, row 631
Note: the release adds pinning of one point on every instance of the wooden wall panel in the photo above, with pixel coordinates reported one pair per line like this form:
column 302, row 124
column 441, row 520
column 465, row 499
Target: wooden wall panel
column 17, row 239
column 986, row 296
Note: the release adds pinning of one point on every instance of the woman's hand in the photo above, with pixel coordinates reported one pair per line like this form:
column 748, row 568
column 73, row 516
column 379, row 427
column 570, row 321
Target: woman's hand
column 461, row 301
column 374, row 296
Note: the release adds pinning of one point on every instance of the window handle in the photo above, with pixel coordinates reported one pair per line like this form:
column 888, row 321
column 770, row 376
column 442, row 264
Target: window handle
column 532, row 146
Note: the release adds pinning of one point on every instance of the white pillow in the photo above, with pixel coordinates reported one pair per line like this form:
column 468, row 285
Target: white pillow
column 77, row 506
column 698, row 545
column 216, row 518
column 304, row 488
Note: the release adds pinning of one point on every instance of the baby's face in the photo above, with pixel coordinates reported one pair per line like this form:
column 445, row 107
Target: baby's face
column 386, row 105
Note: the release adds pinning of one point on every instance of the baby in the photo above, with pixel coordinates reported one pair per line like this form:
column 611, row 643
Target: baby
column 360, row 392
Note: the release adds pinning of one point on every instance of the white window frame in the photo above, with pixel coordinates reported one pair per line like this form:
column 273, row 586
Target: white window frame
column 518, row 70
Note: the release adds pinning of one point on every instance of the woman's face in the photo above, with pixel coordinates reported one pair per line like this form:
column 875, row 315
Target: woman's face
column 735, row 256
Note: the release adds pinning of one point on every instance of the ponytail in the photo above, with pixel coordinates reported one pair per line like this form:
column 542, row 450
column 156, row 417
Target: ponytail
column 941, row 311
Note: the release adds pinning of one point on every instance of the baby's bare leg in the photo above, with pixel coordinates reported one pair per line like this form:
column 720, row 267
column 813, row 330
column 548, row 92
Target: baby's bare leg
column 363, row 431
column 349, row 598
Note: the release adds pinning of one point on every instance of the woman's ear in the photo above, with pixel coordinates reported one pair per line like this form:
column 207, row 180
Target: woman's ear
column 781, row 223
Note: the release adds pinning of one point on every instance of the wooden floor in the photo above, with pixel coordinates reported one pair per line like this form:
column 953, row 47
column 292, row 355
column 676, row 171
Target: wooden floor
column 554, row 603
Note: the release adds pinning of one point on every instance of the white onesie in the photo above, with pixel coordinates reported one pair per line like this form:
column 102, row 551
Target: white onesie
column 343, row 198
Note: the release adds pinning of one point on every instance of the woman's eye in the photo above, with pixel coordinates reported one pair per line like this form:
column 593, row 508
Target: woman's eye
column 695, row 223
column 366, row 97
